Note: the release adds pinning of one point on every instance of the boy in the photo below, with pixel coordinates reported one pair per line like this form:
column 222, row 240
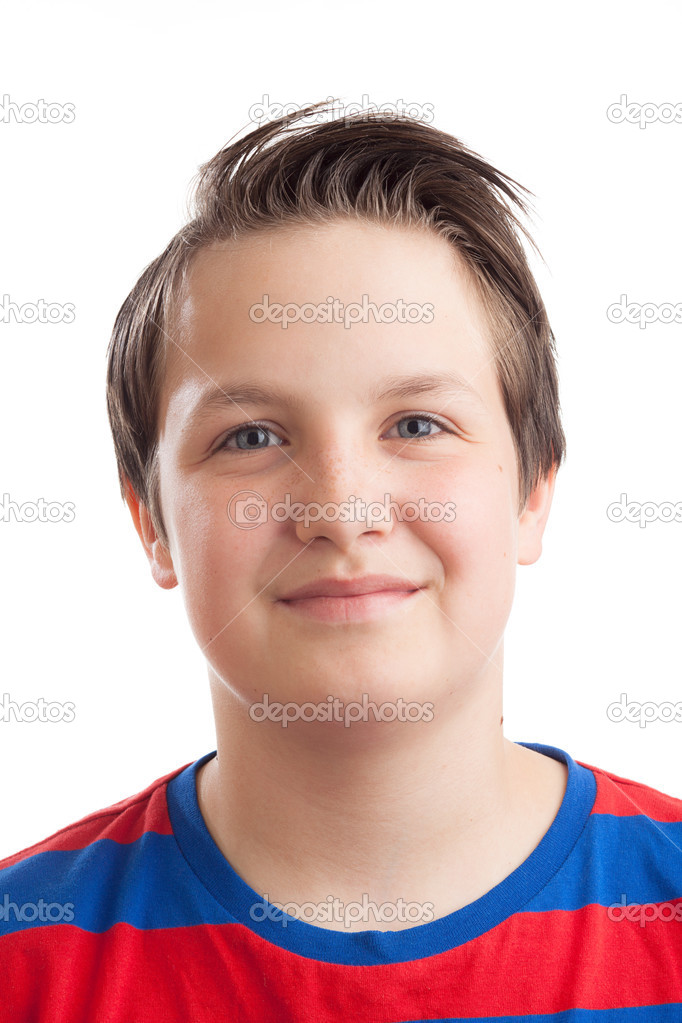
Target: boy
column 334, row 405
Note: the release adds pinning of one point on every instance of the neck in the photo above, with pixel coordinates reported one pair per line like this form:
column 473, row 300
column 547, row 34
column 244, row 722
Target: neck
column 433, row 812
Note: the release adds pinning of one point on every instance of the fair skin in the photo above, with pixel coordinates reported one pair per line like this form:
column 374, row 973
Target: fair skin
column 435, row 811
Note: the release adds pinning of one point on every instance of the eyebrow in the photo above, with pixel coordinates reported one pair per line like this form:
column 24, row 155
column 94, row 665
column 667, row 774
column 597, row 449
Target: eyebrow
column 247, row 392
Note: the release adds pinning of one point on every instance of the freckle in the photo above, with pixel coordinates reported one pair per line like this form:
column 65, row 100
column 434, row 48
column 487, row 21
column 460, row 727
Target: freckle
column 500, row 468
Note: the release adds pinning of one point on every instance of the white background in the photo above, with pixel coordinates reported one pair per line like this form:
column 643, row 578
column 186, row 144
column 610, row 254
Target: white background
column 158, row 88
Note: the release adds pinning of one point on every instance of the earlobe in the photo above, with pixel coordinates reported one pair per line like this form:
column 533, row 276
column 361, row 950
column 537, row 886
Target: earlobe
column 158, row 555
column 533, row 520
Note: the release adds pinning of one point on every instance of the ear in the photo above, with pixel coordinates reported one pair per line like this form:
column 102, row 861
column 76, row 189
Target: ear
column 159, row 556
column 533, row 519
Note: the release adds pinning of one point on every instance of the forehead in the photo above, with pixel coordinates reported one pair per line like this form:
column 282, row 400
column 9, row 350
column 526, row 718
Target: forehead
column 332, row 258
column 215, row 331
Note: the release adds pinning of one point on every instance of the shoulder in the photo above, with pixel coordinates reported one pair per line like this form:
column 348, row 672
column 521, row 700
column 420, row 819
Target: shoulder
column 623, row 797
column 123, row 824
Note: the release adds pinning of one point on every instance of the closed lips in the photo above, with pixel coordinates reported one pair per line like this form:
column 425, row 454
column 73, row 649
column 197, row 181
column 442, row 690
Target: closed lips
column 351, row 587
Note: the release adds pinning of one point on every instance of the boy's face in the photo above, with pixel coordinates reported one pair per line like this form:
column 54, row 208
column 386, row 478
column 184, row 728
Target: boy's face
column 328, row 436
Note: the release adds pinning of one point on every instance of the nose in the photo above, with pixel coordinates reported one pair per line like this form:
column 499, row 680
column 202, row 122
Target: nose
column 343, row 502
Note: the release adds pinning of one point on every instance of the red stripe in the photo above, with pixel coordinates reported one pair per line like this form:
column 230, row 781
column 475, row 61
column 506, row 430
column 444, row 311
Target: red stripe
column 624, row 798
column 532, row 963
column 130, row 818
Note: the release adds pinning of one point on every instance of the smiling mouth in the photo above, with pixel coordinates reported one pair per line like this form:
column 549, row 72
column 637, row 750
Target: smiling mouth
column 356, row 607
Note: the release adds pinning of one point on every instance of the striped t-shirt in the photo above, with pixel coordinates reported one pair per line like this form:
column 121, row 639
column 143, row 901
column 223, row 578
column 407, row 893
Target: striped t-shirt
column 133, row 915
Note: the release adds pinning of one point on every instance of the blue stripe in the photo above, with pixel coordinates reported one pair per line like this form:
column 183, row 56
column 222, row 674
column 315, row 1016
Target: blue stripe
column 162, row 881
column 632, row 856
column 370, row 947
column 641, row 1014
column 146, row 883
column 108, row 883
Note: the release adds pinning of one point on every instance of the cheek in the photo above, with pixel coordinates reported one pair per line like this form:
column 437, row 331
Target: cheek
column 216, row 556
column 478, row 548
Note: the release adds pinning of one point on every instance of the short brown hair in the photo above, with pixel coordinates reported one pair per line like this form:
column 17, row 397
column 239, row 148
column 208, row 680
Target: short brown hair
column 376, row 167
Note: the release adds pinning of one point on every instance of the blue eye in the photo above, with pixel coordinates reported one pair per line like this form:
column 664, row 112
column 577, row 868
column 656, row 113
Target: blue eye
column 249, row 437
column 420, row 433
column 254, row 436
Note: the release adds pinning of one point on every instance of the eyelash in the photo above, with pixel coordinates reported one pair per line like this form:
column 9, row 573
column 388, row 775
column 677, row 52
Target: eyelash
column 264, row 427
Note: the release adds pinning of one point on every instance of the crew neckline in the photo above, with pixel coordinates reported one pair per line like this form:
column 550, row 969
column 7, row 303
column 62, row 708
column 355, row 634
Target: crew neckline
column 369, row 947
